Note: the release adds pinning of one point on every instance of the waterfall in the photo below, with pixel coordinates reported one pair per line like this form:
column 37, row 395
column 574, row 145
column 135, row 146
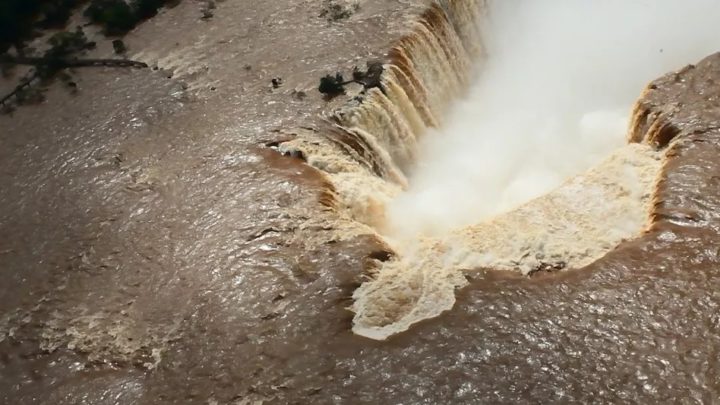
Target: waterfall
column 371, row 143
column 376, row 138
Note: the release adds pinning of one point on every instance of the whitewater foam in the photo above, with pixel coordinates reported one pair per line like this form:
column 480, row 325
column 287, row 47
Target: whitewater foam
column 555, row 84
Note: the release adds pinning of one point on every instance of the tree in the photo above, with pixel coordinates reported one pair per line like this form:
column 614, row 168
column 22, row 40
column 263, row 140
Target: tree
column 332, row 86
column 116, row 16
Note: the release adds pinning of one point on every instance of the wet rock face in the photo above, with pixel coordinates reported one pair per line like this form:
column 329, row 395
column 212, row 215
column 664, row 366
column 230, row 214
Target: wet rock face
column 683, row 103
column 682, row 109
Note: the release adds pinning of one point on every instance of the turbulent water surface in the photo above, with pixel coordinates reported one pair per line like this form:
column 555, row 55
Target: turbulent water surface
column 154, row 249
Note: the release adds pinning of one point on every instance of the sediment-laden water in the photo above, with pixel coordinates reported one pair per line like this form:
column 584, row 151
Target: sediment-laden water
column 579, row 222
column 155, row 250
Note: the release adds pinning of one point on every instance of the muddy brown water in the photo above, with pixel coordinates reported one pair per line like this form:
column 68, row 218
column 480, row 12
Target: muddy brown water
column 151, row 248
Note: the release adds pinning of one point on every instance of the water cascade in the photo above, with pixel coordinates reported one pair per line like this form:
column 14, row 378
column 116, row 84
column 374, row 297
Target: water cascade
column 371, row 147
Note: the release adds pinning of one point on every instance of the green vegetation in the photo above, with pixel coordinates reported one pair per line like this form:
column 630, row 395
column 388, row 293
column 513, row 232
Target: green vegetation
column 62, row 46
column 21, row 21
column 50, row 65
column 336, row 10
column 55, row 14
column 145, row 9
column 333, row 86
column 117, row 17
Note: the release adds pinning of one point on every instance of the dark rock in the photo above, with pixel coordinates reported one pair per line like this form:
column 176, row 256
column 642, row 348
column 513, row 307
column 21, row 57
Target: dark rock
column 299, row 95
column 544, row 267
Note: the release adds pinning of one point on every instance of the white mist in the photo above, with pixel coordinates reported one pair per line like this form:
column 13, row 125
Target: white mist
column 552, row 99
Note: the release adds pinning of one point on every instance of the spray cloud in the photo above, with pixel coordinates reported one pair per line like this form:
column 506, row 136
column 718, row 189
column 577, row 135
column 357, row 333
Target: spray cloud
column 551, row 100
